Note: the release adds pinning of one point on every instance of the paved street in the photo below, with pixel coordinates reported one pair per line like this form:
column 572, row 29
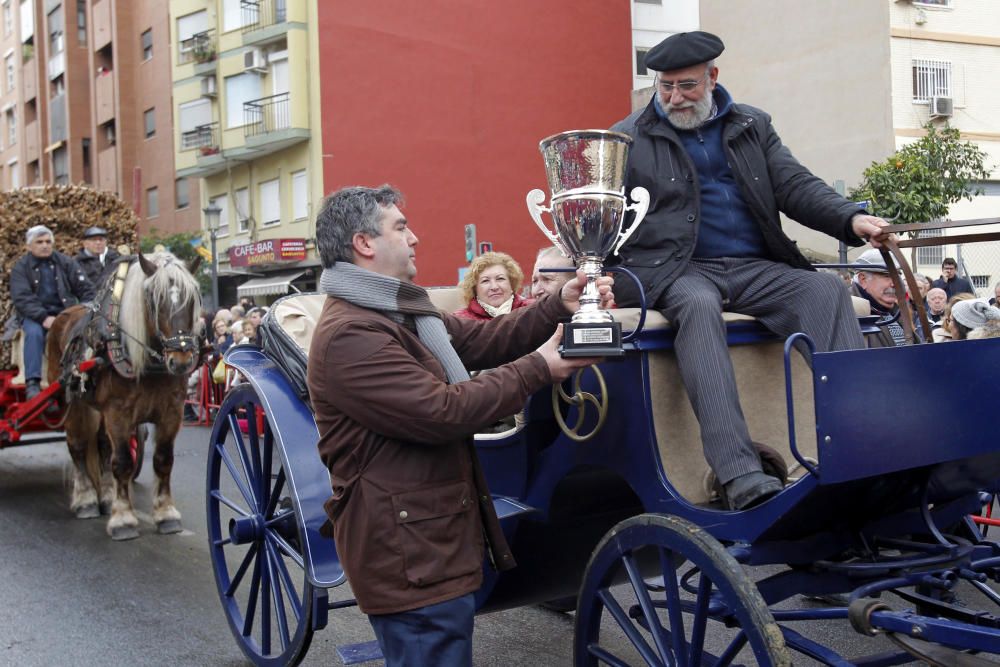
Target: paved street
column 72, row 596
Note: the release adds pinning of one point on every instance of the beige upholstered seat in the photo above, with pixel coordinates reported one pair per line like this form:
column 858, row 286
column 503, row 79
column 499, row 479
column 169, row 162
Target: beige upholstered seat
column 759, row 377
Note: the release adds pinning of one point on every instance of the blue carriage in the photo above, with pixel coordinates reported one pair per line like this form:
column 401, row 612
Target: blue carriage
column 605, row 497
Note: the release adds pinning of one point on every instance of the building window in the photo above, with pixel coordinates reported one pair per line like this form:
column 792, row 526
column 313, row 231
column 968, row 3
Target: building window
column 300, row 195
column 56, row 42
column 8, row 18
column 640, row 62
column 240, row 89
column 8, row 66
column 147, row 44
column 222, row 203
column 241, row 198
column 930, row 255
column 270, row 203
column 15, row 178
column 81, row 22
column 979, row 282
column 60, row 166
column 936, row 3
column 232, row 15
column 152, row 202
column 931, row 78
column 182, row 194
column 11, row 127
column 149, row 120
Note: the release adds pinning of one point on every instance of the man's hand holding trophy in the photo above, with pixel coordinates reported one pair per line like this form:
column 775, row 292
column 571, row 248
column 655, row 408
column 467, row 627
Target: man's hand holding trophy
column 586, row 175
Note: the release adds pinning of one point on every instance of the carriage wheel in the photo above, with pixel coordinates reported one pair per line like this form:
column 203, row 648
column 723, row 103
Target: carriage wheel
column 668, row 587
column 254, row 537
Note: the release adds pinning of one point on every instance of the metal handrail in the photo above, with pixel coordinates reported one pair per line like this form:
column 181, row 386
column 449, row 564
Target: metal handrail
column 257, row 14
column 267, row 114
column 203, row 43
column 200, row 137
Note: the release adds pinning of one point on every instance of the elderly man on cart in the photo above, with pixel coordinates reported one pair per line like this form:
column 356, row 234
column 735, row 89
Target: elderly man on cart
column 43, row 283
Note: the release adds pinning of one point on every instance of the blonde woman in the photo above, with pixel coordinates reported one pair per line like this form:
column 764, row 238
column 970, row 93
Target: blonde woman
column 490, row 287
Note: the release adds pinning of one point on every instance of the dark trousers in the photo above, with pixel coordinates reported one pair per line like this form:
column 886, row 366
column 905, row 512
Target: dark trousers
column 783, row 299
column 432, row 636
column 34, row 348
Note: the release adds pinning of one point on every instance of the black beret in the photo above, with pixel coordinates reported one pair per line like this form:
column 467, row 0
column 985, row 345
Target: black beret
column 94, row 231
column 684, row 49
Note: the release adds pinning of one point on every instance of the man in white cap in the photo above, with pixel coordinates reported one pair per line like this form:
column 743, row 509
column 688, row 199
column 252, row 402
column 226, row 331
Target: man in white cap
column 718, row 176
column 874, row 284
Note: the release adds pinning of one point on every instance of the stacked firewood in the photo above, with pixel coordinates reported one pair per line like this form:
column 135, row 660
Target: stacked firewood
column 68, row 211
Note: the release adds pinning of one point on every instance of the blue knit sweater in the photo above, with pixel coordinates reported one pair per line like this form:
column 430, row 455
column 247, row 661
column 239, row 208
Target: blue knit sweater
column 727, row 227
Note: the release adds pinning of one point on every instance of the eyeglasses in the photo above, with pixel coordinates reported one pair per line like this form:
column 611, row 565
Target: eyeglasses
column 683, row 86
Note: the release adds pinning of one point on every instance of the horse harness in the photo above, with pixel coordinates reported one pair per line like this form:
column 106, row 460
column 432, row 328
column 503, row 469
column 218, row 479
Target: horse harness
column 98, row 332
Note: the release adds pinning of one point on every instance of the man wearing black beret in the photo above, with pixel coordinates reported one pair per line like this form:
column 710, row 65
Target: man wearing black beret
column 96, row 256
column 718, row 176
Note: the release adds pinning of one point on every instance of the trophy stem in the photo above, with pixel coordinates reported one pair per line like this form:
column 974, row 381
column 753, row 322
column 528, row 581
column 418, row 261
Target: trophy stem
column 590, row 301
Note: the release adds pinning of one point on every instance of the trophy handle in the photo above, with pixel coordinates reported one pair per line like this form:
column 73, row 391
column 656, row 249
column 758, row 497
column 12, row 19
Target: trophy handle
column 535, row 208
column 640, row 196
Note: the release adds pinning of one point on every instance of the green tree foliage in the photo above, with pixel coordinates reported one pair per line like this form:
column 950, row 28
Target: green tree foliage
column 181, row 246
column 921, row 180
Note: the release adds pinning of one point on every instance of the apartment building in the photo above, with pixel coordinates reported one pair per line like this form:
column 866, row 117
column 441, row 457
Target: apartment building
column 131, row 134
column 849, row 83
column 84, row 99
column 247, row 123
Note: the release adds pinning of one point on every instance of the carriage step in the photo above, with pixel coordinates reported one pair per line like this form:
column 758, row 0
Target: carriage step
column 352, row 654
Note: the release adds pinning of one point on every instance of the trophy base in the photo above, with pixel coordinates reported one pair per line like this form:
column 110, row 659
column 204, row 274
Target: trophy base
column 592, row 339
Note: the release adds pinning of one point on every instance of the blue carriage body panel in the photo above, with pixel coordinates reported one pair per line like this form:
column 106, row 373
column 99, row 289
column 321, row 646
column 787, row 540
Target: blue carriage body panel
column 295, row 431
column 863, row 432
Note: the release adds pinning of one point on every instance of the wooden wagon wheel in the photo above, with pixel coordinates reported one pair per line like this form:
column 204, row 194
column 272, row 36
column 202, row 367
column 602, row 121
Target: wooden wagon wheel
column 890, row 251
column 580, row 399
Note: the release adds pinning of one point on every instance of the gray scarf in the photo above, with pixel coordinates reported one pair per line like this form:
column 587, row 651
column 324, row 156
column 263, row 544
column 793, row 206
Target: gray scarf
column 395, row 299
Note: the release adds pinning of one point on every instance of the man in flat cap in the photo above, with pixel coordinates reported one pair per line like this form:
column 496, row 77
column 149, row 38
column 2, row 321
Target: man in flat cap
column 718, row 176
column 873, row 283
column 96, row 256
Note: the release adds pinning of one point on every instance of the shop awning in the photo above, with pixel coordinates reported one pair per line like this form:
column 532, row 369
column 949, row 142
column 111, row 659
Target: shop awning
column 279, row 283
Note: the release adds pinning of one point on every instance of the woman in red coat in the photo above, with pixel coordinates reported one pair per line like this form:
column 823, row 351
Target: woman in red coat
column 490, row 286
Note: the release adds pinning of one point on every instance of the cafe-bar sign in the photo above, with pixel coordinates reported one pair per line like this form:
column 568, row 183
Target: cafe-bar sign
column 272, row 251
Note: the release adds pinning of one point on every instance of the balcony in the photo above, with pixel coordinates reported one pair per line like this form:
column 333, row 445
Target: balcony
column 31, row 142
column 104, row 92
column 107, row 170
column 57, row 65
column 29, row 80
column 267, row 124
column 201, row 50
column 204, row 137
column 264, row 21
column 102, row 24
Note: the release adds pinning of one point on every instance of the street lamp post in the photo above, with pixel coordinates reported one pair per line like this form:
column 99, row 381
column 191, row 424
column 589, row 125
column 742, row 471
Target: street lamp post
column 212, row 213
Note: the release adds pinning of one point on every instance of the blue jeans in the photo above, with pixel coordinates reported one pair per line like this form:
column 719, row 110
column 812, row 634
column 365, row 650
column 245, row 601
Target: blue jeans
column 34, row 348
column 439, row 634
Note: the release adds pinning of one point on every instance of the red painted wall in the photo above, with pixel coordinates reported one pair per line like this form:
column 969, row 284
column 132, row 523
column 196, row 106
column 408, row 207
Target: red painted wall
column 448, row 99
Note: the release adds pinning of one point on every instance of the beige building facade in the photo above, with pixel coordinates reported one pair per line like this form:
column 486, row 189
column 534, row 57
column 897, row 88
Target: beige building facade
column 247, row 124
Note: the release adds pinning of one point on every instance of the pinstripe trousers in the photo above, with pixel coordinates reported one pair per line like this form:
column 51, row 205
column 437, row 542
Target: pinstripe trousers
column 784, row 299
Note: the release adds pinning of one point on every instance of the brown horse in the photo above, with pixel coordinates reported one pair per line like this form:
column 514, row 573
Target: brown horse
column 152, row 326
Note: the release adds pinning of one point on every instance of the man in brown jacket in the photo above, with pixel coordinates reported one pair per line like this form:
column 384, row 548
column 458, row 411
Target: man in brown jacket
column 396, row 412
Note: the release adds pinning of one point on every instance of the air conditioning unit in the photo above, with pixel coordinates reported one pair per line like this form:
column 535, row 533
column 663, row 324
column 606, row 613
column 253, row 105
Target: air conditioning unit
column 255, row 60
column 208, row 87
column 942, row 107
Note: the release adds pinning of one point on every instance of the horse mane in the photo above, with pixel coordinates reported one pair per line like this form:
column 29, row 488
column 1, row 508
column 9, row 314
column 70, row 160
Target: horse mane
column 148, row 295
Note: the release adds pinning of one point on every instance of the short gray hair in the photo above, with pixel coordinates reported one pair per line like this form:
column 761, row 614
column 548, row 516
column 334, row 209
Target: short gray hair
column 36, row 231
column 350, row 211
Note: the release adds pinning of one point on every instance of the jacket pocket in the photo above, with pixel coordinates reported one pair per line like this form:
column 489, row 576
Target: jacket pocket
column 439, row 532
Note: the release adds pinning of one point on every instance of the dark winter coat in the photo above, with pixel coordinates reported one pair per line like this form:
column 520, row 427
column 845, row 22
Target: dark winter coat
column 770, row 178
column 92, row 266
column 410, row 505
column 72, row 285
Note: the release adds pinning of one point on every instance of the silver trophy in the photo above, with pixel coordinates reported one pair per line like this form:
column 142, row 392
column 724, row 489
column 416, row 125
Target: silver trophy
column 586, row 174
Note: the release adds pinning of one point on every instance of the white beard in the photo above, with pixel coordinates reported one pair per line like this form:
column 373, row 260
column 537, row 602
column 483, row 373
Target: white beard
column 688, row 121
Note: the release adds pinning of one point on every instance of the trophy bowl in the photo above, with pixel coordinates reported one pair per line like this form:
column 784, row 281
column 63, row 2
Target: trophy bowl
column 586, row 174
